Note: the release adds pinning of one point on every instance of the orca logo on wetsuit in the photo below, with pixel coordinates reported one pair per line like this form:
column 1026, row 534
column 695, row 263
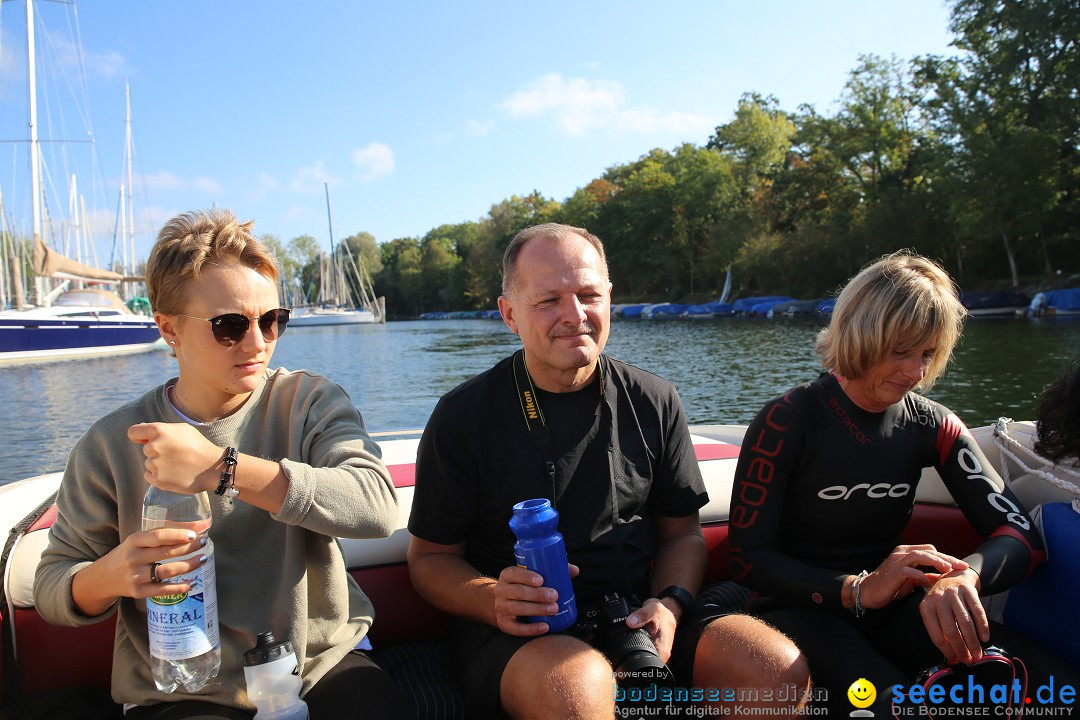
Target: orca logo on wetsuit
column 971, row 465
column 879, row 490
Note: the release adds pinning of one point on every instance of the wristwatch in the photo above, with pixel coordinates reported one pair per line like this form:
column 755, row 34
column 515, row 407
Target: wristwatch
column 681, row 595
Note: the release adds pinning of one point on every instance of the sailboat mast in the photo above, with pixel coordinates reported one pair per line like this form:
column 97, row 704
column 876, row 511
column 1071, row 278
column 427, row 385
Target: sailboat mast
column 332, row 264
column 35, row 148
column 130, row 187
column 123, row 229
column 35, row 167
column 329, row 217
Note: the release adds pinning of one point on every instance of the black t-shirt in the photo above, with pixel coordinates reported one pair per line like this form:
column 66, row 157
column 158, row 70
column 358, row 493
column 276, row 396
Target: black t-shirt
column 477, row 459
column 823, row 489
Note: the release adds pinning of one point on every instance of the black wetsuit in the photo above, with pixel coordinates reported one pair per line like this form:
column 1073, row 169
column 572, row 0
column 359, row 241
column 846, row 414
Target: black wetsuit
column 823, row 489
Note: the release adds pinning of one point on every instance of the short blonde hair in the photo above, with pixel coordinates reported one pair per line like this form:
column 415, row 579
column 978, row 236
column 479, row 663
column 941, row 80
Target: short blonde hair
column 902, row 301
column 193, row 239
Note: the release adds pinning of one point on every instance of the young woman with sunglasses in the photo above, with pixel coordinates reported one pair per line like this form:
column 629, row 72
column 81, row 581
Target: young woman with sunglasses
column 305, row 472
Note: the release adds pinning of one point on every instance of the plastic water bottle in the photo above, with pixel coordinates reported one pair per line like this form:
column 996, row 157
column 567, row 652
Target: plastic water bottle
column 273, row 680
column 540, row 548
column 185, row 648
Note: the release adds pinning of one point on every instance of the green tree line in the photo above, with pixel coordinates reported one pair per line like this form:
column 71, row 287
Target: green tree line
column 972, row 159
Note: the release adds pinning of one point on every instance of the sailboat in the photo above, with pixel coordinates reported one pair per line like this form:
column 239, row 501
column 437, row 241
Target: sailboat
column 337, row 305
column 68, row 322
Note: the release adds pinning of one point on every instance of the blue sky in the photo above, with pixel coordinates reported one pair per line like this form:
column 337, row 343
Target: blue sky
column 417, row 113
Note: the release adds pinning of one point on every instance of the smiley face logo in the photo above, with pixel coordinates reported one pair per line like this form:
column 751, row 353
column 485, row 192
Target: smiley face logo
column 862, row 693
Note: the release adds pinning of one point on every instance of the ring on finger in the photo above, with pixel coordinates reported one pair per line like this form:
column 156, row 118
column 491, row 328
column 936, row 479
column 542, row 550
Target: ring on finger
column 153, row 572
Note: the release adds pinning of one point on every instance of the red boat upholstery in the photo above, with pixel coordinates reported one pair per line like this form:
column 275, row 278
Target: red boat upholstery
column 407, row 631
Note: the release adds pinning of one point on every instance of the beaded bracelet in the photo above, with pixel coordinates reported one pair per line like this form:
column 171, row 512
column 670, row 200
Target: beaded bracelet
column 227, row 483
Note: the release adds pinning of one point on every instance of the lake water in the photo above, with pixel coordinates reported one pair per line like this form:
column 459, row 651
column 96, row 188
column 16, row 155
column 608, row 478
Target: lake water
column 725, row 371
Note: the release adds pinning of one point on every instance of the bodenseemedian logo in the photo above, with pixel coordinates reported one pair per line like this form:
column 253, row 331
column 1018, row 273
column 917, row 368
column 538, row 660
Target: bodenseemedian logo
column 653, row 700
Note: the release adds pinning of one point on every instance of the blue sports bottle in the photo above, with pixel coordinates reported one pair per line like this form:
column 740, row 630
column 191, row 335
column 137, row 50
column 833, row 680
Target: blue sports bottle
column 540, row 548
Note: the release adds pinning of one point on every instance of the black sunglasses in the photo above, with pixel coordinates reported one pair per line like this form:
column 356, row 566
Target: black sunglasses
column 230, row 328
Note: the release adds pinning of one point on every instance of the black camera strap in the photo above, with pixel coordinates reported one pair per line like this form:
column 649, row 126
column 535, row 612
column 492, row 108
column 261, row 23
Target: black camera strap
column 541, row 438
column 534, row 416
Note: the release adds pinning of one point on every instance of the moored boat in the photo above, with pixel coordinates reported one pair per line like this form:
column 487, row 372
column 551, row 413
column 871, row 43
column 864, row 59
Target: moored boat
column 80, row 323
column 994, row 302
column 758, row 305
column 1065, row 301
column 337, row 304
column 321, row 316
column 706, row 311
column 662, row 310
column 77, row 323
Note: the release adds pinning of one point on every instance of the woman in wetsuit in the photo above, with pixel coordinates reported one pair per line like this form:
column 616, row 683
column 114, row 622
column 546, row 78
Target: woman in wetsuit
column 826, row 483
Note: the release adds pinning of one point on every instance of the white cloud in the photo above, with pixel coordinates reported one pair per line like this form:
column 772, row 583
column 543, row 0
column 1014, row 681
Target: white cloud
column 262, row 185
column 578, row 105
column 106, row 64
column 102, row 226
column 477, row 128
column 207, row 185
column 73, row 59
column 162, row 180
column 310, row 178
column 7, row 57
column 655, row 120
column 165, row 180
column 266, row 181
column 375, row 161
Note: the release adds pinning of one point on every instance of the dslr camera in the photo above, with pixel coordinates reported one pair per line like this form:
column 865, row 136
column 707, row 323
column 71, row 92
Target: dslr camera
column 631, row 652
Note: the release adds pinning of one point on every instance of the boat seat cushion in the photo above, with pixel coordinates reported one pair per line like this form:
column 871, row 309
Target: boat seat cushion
column 424, row 671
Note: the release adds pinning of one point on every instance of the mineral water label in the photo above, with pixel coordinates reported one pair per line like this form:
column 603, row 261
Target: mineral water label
column 185, row 625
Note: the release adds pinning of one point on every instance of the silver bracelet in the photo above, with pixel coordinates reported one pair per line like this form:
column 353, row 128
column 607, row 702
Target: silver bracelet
column 859, row 610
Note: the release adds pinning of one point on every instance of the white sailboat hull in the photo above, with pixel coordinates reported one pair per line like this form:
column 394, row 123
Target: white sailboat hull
column 331, row 316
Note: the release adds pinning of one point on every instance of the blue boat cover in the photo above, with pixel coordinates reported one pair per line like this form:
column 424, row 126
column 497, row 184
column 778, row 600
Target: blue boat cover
column 795, row 307
column 763, row 308
column 665, row 309
column 746, row 305
column 1064, row 299
column 713, row 308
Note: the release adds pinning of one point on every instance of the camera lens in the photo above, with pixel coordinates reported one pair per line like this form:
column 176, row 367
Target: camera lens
column 631, row 652
column 635, row 661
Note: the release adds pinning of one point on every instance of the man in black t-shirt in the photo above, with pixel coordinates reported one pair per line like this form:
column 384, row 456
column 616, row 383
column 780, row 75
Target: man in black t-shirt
column 609, row 445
